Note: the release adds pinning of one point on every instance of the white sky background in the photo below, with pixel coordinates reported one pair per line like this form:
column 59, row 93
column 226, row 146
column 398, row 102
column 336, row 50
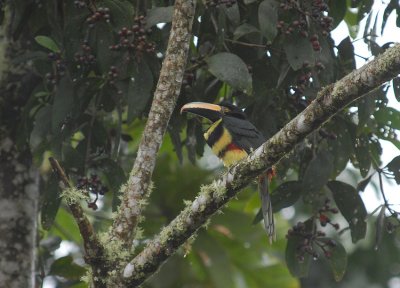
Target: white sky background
column 370, row 197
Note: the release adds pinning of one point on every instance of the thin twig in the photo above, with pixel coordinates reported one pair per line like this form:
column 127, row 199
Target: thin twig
column 247, row 44
column 381, row 189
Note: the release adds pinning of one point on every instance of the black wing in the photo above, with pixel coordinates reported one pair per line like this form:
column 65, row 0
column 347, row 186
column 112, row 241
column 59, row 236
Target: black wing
column 244, row 133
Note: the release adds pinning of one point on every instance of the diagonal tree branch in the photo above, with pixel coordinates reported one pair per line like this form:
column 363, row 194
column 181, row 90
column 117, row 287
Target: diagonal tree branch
column 167, row 91
column 93, row 247
column 330, row 100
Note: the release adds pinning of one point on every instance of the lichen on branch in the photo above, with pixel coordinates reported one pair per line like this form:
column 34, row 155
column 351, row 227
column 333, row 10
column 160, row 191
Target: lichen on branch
column 330, row 101
column 165, row 97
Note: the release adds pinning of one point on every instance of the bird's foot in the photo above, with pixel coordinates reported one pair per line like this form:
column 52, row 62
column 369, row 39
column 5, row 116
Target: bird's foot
column 271, row 173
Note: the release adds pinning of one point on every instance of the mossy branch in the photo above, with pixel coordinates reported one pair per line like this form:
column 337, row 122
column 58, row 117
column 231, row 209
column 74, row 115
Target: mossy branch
column 330, row 101
column 164, row 101
column 94, row 250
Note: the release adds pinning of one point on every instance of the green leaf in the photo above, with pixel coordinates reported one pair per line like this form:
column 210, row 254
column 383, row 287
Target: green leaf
column 352, row 22
column 398, row 16
column 63, row 104
column 50, row 203
column 363, row 183
column 286, row 195
column 396, row 88
column 394, row 167
column 221, row 268
column 174, row 129
column 231, row 69
column 337, row 10
column 121, row 12
column 268, row 18
column 388, row 10
column 283, row 196
column 103, row 37
column 159, row 15
column 232, row 13
column 380, row 227
column 66, row 222
column 139, row 90
column 366, row 107
column 362, row 155
column 65, row 267
column 346, row 55
column 50, row 243
column 342, row 146
column 74, row 158
column 115, row 177
column 298, row 267
column 298, row 50
column 338, row 261
column 243, row 30
column 388, row 116
column 249, row 1
column 352, row 208
column 316, row 176
column 42, row 127
column 364, row 9
column 48, row 43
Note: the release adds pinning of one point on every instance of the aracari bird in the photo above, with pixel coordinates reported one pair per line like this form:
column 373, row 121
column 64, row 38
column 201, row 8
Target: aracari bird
column 232, row 137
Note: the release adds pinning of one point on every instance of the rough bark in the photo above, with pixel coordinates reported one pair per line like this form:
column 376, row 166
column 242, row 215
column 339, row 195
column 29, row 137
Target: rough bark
column 138, row 187
column 19, row 191
column 330, row 100
column 19, row 196
column 94, row 250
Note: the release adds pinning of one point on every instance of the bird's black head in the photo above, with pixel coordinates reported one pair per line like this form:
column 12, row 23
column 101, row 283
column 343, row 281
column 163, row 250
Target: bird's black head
column 232, row 110
column 213, row 112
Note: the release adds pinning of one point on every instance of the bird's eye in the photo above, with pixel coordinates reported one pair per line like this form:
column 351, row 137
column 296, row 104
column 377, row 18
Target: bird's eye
column 225, row 109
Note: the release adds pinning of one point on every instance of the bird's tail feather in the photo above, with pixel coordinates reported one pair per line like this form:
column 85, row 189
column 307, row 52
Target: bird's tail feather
column 266, row 208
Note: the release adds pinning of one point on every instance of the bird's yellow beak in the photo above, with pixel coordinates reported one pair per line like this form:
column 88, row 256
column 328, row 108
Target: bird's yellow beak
column 209, row 111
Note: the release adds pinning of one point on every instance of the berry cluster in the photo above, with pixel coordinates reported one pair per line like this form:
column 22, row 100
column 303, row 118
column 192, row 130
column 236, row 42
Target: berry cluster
column 319, row 9
column 135, row 38
column 59, row 68
column 391, row 227
column 112, row 75
column 86, row 56
column 317, row 12
column 101, row 14
column 92, row 185
column 304, row 79
column 315, row 43
column 310, row 241
column 188, row 79
column 297, row 25
column 323, row 217
column 217, row 3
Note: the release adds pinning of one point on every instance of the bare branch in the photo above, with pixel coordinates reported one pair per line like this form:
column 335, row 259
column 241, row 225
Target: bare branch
column 167, row 91
column 330, row 100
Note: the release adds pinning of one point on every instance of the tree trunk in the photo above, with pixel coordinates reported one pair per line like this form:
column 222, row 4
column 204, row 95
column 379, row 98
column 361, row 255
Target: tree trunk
column 18, row 217
column 19, row 192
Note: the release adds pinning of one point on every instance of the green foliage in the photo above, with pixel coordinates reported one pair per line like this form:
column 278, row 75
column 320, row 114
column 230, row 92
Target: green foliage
column 65, row 267
column 268, row 18
column 352, row 208
column 338, row 261
column 97, row 71
column 48, row 43
column 230, row 68
column 51, row 201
